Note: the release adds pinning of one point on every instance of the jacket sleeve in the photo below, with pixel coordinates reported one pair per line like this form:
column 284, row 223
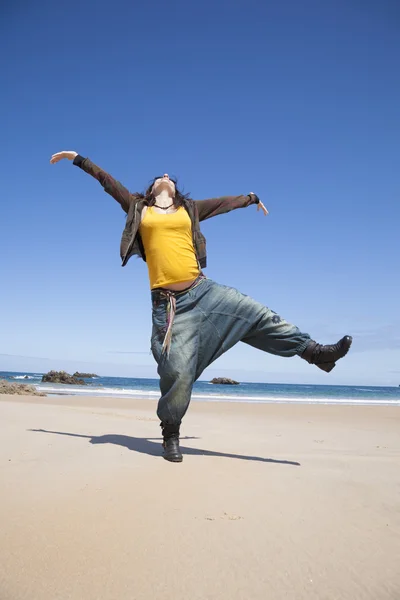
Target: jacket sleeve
column 217, row 206
column 110, row 185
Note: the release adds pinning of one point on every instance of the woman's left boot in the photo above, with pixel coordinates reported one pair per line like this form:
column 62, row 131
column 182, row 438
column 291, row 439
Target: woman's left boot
column 172, row 451
column 325, row 357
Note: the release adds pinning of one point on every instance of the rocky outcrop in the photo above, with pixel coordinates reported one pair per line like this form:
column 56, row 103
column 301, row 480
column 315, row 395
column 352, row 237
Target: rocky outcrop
column 61, row 377
column 22, row 389
column 84, row 375
column 224, row 381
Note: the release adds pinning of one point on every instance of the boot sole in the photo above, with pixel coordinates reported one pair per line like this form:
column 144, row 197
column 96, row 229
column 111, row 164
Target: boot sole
column 327, row 367
column 174, row 459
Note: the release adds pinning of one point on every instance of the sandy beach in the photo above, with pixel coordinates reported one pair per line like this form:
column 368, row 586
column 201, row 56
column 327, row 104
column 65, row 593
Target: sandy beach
column 271, row 502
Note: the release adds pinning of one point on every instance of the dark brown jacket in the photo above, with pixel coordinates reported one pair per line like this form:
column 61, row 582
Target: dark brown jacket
column 133, row 203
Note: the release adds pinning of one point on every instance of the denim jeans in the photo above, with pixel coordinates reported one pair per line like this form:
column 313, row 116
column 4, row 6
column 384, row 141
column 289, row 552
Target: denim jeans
column 211, row 318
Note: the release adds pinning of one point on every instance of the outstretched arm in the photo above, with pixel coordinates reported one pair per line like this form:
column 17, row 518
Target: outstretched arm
column 217, row 206
column 110, row 185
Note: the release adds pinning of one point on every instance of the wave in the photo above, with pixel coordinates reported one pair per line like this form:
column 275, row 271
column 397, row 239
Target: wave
column 93, row 391
column 23, row 377
column 291, row 400
column 151, row 394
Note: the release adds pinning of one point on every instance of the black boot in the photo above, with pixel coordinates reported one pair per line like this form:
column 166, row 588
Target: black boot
column 171, row 443
column 325, row 357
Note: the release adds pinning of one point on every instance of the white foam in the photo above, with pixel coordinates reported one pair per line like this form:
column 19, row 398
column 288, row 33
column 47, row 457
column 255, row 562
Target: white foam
column 92, row 391
column 140, row 393
column 291, row 400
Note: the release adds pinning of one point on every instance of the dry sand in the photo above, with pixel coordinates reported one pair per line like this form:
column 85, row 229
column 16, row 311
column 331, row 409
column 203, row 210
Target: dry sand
column 271, row 502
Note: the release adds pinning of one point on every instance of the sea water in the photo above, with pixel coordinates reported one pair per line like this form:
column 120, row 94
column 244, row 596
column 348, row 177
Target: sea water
column 132, row 387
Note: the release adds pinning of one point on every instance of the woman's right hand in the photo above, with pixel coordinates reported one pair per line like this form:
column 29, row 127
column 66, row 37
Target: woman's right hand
column 70, row 154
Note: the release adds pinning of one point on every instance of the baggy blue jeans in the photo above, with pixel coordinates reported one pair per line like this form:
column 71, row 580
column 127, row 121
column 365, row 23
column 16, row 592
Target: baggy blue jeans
column 211, row 318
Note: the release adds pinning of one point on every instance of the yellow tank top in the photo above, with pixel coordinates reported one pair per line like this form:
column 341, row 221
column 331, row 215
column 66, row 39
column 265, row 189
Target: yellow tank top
column 168, row 244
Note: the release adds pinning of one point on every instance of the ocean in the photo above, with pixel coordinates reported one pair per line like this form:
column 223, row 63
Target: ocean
column 131, row 387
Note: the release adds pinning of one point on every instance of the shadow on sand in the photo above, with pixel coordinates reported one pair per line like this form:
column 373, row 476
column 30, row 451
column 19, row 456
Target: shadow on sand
column 153, row 448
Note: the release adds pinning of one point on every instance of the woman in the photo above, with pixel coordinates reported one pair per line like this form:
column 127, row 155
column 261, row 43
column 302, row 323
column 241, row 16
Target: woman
column 195, row 320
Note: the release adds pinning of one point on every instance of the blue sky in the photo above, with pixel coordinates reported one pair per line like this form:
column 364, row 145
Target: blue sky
column 296, row 101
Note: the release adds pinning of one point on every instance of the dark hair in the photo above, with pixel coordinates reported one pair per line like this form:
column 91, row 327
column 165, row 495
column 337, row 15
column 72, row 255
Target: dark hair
column 179, row 199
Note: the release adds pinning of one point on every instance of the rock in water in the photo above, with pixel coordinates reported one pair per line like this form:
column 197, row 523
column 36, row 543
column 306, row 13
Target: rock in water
column 21, row 389
column 62, row 377
column 84, row 375
column 224, row 381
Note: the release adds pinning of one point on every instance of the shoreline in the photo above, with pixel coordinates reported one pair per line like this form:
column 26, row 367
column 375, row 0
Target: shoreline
column 226, row 399
column 248, row 400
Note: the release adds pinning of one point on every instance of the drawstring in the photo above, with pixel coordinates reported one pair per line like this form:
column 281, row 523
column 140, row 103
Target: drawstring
column 171, row 311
